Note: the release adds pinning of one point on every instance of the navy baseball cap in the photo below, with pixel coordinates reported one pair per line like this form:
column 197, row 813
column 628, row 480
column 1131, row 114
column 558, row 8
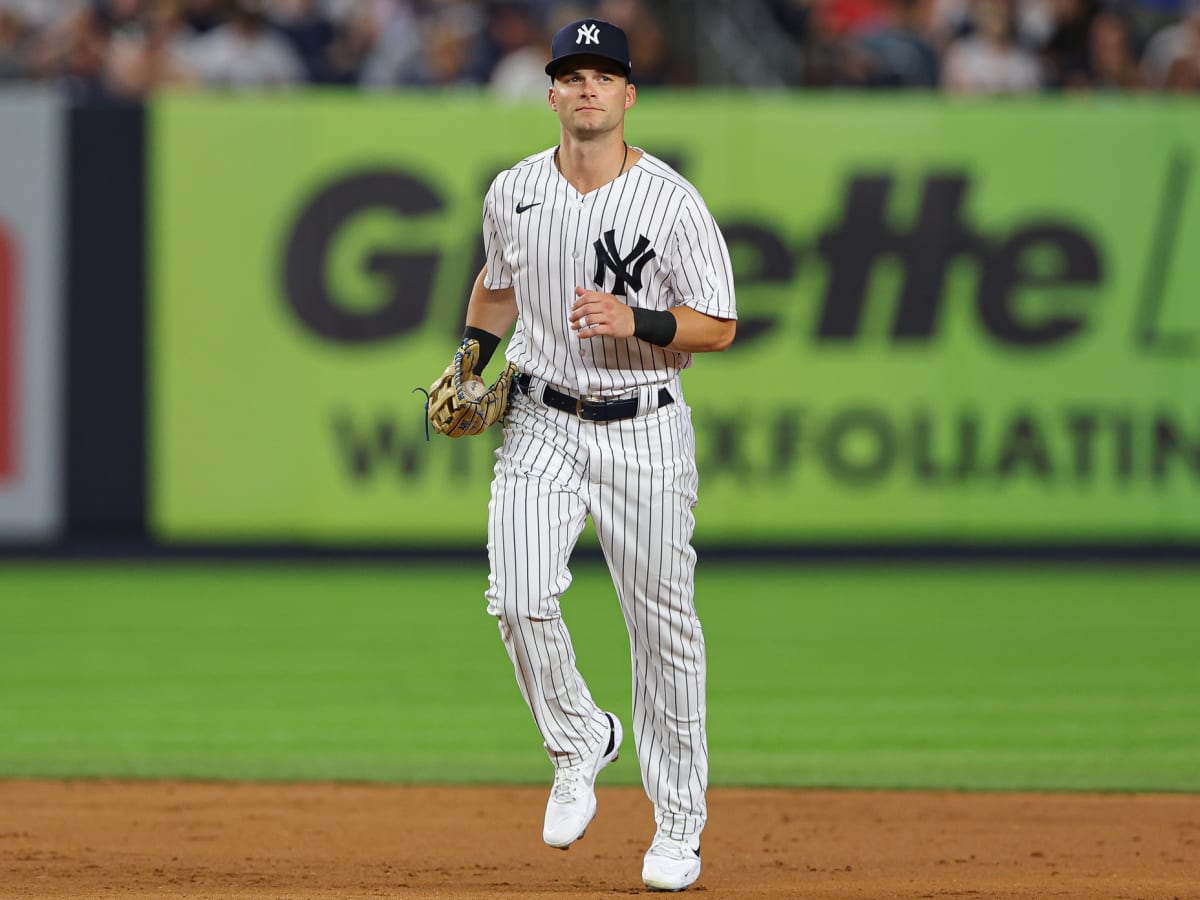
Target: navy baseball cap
column 590, row 37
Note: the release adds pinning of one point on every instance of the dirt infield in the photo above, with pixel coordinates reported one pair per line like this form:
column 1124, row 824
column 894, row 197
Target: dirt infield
column 141, row 840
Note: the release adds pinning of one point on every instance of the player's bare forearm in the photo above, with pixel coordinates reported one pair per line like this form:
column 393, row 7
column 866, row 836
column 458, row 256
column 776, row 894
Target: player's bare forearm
column 595, row 314
column 493, row 311
column 696, row 332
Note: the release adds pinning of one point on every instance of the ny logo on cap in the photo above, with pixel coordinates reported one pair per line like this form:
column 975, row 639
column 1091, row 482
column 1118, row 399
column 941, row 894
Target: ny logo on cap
column 588, row 34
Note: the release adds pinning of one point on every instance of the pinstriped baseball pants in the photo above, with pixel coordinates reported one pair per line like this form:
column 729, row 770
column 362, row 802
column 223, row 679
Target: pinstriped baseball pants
column 637, row 480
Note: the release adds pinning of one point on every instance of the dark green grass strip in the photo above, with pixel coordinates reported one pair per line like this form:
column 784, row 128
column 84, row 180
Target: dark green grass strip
column 903, row 676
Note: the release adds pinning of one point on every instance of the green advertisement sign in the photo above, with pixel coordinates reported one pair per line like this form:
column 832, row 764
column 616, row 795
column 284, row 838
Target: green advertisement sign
column 959, row 321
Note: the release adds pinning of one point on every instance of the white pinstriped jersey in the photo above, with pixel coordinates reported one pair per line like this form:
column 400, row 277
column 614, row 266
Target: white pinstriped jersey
column 646, row 236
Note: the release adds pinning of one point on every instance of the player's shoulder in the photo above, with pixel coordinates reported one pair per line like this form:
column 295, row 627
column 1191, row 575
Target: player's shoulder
column 654, row 167
column 662, row 172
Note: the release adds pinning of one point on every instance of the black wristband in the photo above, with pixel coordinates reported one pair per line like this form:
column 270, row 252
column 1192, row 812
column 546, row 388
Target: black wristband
column 488, row 343
column 654, row 326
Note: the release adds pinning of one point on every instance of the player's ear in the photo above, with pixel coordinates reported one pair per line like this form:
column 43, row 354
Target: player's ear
column 552, row 98
column 630, row 95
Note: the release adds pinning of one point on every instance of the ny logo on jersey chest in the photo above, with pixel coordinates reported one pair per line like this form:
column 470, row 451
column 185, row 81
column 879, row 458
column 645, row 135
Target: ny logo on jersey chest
column 627, row 270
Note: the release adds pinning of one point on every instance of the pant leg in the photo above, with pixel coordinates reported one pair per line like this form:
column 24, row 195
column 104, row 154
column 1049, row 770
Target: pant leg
column 644, row 492
column 535, row 516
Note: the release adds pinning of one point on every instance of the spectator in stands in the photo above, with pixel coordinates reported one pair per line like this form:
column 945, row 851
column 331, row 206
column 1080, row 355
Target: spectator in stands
column 434, row 50
column 72, row 53
column 1171, row 59
column 154, row 55
column 825, row 57
column 377, row 10
column 129, row 48
column 311, row 33
column 648, row 46
column 397, row 43
column 16, row 43
column 846, row 18
column 202, row 16
column 515, row 55
column 356, row 38
column 42, row 15
column 897, row 50
column 121, row 14
column 1065, row 54
column 1112, row 63
column 791, row 16
column 246, row 53
column 989, row 60
column 1036, row 21
column 448, row 41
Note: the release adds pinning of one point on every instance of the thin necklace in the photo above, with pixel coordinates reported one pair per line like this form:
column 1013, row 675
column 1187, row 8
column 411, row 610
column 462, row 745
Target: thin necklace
column 624, row 159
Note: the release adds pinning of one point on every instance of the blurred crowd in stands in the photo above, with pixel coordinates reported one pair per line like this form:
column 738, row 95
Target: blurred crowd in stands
column 113, row 50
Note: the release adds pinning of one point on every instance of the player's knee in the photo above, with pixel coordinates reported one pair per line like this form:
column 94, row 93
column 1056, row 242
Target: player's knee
column 512, row 610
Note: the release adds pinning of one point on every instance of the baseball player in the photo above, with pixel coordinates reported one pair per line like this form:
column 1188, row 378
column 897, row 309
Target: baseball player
column 614, row 273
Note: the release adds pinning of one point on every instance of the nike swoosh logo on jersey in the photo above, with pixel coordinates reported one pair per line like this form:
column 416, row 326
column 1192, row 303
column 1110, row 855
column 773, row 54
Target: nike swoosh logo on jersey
column 527, row 206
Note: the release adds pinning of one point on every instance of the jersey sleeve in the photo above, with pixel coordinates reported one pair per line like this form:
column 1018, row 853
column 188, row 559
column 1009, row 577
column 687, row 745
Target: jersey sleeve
column 702, row 274
column 499, row 272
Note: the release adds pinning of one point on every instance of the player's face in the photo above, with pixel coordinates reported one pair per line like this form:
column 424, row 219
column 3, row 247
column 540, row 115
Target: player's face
column 590, row 96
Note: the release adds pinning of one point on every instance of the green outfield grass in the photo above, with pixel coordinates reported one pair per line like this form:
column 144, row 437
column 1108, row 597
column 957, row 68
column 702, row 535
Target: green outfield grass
column 881, row 676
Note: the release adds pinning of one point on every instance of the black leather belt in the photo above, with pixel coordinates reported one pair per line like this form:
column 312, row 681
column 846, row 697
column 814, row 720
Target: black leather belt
column 598, row 410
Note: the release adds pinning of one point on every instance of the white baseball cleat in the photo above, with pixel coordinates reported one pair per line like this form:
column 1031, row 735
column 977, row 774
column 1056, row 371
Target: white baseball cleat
column 670, row 864
column 572, row 803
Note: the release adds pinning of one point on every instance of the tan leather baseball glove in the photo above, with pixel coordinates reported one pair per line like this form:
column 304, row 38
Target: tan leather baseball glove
column 460, row 403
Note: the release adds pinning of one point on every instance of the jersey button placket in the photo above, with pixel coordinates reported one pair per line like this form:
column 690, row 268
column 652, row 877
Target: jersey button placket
column 578, row 244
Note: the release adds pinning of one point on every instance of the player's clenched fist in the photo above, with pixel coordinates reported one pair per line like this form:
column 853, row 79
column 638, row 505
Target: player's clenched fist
column 596, row 314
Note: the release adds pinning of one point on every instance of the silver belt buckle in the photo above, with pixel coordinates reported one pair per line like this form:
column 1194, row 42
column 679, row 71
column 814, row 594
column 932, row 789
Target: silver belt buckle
column 586, row 398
